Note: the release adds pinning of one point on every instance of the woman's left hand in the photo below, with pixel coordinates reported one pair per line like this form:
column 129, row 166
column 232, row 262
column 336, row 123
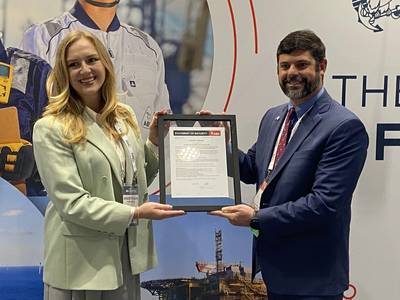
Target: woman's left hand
column 153, row 134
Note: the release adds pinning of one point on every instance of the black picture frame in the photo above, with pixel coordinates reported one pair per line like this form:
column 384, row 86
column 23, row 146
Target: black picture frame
column 231, row 156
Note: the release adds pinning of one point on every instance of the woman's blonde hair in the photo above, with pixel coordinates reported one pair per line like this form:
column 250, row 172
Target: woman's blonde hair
column 66, row 105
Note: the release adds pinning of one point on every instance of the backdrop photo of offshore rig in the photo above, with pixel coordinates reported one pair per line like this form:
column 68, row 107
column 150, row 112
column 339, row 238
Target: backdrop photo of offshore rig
column 222, row 281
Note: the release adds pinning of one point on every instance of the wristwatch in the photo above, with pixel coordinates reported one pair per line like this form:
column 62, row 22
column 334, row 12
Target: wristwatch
column 255, row 223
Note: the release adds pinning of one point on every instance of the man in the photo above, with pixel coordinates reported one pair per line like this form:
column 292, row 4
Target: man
column 23, row 80
column 305, row 163
column 137, row 58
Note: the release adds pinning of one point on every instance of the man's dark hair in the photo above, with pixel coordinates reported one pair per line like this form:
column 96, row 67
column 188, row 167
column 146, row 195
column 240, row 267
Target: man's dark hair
column 303, row 40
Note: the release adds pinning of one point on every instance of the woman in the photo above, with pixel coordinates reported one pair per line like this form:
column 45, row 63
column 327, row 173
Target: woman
column 87, row 148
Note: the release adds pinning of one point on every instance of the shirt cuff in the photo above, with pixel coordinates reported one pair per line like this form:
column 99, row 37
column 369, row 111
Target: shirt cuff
column 132, row 218
column 152, row 147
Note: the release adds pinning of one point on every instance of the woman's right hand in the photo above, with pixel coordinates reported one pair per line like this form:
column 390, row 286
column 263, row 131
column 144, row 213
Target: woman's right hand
column 156, row 211
column 153, row 129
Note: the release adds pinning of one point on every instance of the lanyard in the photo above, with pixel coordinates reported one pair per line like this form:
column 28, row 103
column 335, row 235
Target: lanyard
column 129, row 147
column 257, row 198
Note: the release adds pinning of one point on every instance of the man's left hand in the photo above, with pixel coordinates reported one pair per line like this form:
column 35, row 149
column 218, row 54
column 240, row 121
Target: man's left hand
column 239, row 215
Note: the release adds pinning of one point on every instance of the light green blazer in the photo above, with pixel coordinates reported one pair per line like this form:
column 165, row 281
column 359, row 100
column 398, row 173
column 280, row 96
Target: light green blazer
column 85, row 220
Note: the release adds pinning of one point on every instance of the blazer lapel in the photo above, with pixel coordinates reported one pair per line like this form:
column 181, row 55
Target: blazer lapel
column 308, row 123
column 269, row 143
column 129, row 173
column 96, row 137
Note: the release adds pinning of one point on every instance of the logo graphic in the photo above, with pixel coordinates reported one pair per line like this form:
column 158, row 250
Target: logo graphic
column 370, row 11
column 146, row 120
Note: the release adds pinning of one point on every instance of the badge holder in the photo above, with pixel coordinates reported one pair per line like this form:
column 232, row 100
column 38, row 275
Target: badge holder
column 130, row 196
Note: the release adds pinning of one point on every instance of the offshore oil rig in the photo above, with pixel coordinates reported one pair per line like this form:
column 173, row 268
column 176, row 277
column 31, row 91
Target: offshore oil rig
column 221, row 282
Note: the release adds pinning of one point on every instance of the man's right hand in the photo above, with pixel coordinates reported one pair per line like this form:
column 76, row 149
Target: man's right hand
column 239, row 215
column 208, row 123
column 214, row 123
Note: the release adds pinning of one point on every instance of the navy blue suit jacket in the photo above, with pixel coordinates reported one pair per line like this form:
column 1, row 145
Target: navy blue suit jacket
column 303, row 246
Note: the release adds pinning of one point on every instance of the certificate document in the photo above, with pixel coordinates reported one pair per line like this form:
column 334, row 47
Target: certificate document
column 198, row 162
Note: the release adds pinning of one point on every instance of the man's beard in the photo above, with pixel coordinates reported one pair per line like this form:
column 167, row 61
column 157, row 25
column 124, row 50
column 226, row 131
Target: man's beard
column 308, row 88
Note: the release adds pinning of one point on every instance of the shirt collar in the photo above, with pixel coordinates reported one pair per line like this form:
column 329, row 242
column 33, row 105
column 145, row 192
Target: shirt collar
column 79, row 13
column 304, row 107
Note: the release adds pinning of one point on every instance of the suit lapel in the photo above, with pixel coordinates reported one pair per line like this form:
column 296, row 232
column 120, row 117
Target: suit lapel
column 307, row 125
column 269, row 143
column 97, row 137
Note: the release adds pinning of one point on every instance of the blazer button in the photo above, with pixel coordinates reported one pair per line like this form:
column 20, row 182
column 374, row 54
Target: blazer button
column 104, row 178
column 112, row 236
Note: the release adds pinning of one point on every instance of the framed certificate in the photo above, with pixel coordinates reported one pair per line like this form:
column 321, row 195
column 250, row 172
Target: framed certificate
column 199, row 168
